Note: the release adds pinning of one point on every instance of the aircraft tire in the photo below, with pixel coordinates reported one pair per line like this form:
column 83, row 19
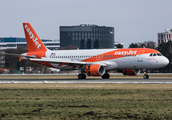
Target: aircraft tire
column 146, row 76
column 81, row 76
column 105, row 76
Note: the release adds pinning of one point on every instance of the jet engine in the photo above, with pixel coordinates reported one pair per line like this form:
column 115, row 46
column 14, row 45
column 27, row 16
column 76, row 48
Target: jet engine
column 95, row 70
column 131, row 72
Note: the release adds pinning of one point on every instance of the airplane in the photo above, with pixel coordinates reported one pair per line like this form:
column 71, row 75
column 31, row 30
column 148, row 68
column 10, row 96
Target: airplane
column 92, row 62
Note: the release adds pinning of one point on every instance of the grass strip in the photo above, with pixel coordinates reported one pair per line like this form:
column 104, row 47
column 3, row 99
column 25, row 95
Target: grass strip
column 85, row 101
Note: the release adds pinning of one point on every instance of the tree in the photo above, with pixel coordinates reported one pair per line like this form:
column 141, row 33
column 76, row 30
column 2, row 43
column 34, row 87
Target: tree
column 71, row 47
column 149, row 44
column 146, row 44
column 119, row 46
column 166, row 50
column 133, row 45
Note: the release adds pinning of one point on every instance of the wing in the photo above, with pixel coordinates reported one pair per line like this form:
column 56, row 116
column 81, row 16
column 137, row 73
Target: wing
column 69, row 62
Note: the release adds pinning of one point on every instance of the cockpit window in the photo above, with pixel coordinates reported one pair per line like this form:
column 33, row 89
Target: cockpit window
column 155, row 54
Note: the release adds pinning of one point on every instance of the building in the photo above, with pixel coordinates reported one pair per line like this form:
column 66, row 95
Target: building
column 86, row 36
column 2, row 59
column 165, row 36
column 14, row 42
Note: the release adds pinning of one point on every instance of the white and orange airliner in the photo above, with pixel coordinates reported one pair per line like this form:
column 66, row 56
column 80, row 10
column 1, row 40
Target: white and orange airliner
column 93, row 62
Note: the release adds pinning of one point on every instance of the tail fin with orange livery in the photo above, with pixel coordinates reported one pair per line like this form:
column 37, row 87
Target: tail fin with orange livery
column 34, row 43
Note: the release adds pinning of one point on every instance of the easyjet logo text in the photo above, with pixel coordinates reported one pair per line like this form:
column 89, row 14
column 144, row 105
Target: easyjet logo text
column 32, row 37
column 126, row 52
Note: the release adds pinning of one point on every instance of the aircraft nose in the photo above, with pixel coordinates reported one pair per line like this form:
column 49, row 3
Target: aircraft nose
column 165, row 61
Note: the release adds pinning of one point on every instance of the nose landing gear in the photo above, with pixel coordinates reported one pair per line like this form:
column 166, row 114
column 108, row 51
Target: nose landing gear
column 145, row 76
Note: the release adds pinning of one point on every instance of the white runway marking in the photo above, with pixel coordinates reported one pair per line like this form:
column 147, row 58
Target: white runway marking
column 85, row 82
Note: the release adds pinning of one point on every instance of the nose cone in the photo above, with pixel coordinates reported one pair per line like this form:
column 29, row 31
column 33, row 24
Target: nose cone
column 165, row 61
column 161, row 61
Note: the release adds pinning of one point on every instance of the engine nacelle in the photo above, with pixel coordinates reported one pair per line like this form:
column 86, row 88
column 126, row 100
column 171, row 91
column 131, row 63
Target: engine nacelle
column 95, row 70
column 131, row 72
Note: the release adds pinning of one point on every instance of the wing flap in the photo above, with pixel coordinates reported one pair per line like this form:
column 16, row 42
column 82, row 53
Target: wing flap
column 58, row 61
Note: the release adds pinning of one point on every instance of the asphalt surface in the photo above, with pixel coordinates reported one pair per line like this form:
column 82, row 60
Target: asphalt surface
column 137, row 81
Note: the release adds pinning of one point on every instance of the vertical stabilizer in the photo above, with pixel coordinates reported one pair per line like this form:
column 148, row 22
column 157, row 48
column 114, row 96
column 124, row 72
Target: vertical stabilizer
column 34, row 43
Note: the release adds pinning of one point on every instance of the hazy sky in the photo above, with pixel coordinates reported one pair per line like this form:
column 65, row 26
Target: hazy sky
column 134, row 20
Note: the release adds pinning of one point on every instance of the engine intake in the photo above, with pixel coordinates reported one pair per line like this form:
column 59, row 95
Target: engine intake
column 95, row 70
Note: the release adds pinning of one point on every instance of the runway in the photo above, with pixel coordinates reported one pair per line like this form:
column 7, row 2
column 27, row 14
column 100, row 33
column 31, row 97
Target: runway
column 135, row 81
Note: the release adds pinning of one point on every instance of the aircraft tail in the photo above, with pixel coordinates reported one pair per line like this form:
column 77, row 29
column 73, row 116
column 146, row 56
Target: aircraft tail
column 34, row 43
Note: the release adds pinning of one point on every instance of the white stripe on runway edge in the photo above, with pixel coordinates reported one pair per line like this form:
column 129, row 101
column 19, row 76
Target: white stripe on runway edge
column 3, row 82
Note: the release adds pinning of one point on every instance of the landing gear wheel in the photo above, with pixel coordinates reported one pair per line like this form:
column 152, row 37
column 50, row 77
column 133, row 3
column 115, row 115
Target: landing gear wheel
column 81, row 76
column 105, row 76
column 146, row 76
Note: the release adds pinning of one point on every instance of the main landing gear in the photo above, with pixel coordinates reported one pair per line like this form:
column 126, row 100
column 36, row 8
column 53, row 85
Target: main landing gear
column 81, row 76
column 145, row 76
column 105, row 76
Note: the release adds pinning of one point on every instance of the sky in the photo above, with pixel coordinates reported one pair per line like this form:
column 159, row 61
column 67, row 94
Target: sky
column 133, row 20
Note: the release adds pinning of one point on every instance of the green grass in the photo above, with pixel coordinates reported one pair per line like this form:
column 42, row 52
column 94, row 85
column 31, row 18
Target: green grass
column 85, row 101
